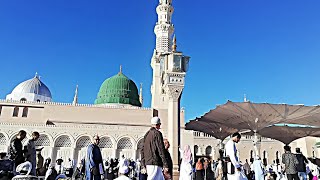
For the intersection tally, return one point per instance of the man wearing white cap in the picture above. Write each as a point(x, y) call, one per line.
point(152, 152)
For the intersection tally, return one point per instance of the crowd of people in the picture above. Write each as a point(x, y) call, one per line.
point(24, 161)
point(295, 166)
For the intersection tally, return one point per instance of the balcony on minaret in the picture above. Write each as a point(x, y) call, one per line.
point(177, 62)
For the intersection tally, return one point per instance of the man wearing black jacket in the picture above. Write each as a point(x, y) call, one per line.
point(16, 148)
point(153, 152)
point(301, 166)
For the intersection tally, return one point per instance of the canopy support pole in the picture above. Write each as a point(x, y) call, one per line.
point(256, 143)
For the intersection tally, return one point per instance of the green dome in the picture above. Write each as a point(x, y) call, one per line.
point(118, 89)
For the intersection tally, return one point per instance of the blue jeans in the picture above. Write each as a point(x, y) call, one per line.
point(302, 175)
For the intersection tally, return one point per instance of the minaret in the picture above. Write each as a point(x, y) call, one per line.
point(164, 28)
point(140, 95)
point(75, 98)
point(169, 69)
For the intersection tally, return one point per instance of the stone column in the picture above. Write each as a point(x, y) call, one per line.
point(115, 153)
point(134, 154)
point(174, 93)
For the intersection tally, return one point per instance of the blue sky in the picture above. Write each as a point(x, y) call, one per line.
point(267, 49)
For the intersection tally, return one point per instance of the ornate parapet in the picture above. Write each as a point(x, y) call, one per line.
point(74, 105)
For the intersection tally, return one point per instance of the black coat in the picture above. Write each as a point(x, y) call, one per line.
point(152, 152)
point(301, 167)
point(16, 152)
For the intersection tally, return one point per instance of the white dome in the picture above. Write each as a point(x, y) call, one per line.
point(31, 90)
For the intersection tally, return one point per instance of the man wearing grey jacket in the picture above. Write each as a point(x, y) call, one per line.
point(30, 151)
point(290, 161)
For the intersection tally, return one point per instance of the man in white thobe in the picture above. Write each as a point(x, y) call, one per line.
point(231, 152)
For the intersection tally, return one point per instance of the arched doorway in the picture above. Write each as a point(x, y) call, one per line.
point(125, 147)
point(81, 147)
point(106, 146)
point(62, 148)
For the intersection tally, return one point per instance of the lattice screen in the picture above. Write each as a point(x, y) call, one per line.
point(3, 139)
point(63, 141)
point(84, 141)
point(125, 143)
point(43, 140)
point(105, 142)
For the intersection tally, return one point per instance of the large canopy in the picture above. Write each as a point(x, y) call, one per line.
point(287, 134)
point(217, 130)
point(260, 118)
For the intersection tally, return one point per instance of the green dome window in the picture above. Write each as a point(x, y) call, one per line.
point(118, 89)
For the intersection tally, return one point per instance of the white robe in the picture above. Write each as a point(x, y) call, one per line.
point(231, 151)
point(258, 171)
point(185, 171)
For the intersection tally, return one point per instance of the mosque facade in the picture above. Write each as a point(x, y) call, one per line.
point(117, 115)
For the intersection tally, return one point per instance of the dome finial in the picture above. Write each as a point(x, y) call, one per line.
point(36, 75)
point(245, 99)
point(120, 72)
point(174, 45)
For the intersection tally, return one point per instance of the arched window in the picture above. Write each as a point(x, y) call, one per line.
point(125, 143)
point(84, 141)
point(43, 140)
point(25, 112)
point(23, 99)
point(196, 149)
point(277, 155)
point(63, 141)
point(265, 162)
point(38, 100)
point(251, 156)
point(208, 151)
point(15, 112)
point(105, 142)
point(313, 154)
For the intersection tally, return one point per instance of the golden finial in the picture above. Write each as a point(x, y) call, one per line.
point(174, 44)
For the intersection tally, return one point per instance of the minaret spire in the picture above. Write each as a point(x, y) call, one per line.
point(75, 98)
point(164, 27)
point(140, 95)
point(174, 44)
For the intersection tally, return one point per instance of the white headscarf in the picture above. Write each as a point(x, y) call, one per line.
point(26, 166)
